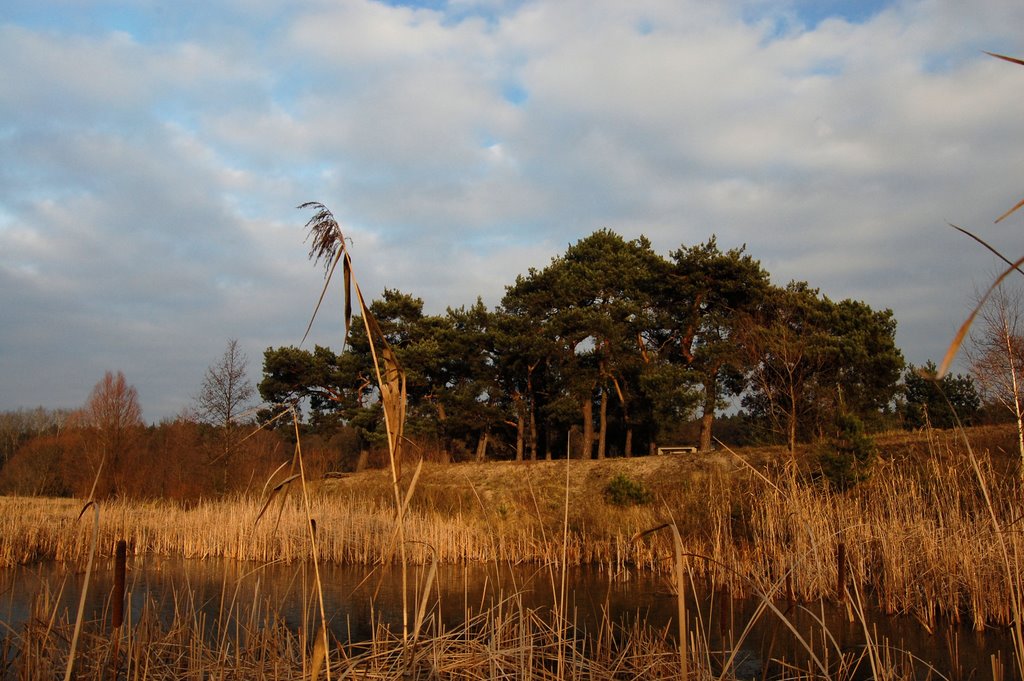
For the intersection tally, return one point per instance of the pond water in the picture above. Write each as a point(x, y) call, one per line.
point(357, 598)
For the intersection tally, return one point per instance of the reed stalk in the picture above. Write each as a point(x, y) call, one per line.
point(85, 587)
point(321, 643)
point(503, 640)
point(329, 243)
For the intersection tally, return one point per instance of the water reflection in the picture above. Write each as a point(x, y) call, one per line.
point(357, 599)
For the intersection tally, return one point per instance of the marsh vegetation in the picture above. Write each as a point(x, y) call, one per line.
point(609, 344)
point(922, 540)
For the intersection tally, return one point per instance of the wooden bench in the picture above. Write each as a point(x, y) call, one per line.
point(677, 450)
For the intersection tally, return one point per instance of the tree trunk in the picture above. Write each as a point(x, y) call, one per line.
point(533, 434)
point(521, 436)
point(791, 434)
point(627, 449)
point(602, 439)
point(481, 447)
point(520, 409)
point(587, 446)
point(708, 417)
point(707, 420)
point(791, 426)
point(1016, 393)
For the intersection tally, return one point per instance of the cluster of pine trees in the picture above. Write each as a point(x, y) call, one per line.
point(612, 349)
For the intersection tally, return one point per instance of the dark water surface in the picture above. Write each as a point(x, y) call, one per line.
point(358, 598)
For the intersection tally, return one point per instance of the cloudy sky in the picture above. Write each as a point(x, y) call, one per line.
point(152, 155)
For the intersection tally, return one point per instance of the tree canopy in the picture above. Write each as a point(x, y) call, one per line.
point(939, 402)
point(610, 349)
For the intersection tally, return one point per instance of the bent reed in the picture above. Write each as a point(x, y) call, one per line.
point(506, 641)
point(918, 537)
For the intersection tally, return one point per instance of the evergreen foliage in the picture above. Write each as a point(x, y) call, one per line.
point(940, 403)
point(623, 490)
point(617, 342)
point(846, 459)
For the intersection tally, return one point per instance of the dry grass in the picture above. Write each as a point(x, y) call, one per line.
point(918, 535)
point(507, 640)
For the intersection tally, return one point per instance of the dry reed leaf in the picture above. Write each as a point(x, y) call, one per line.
point(272, 475)
point(1010, 212)
point(273, 494)
point(347, 282)
point(85, 586)
point(328, 244)
point(320, 300)
point(389, 548)
point(422, 610)
point(986, 245)
point(644, 533)
point(285, 410)
point(319, 654)
point(958, 339)
point(391, 382)
point(1012, 60)
point(85, 508)
point(95, 482)
point(393, 394)
point(412, 486)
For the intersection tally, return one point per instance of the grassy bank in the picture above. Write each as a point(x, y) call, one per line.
point(918, 537)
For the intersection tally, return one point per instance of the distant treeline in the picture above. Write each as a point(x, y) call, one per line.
point(177, 459)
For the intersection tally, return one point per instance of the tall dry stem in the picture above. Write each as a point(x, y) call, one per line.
point(680, 588)
point(85, 586)
point(1011, 564)
point(328, 243)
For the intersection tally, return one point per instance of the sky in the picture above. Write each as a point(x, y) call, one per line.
point(153, 154)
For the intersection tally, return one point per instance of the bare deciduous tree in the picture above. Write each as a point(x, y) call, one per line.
point(996, 355)
point(226, 393)
point(114, 416)
point(21, 425)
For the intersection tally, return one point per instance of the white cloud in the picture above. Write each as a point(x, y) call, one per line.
point(149, 168)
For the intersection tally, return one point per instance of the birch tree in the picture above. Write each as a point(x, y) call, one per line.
point(996, 356)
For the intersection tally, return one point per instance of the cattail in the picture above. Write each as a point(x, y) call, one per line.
point(120, 565)
point(841, 582)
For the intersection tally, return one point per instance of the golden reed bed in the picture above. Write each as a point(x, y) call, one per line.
point(920, 537)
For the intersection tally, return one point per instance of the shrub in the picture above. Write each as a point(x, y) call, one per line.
point(847, 460)
point(624, 491)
